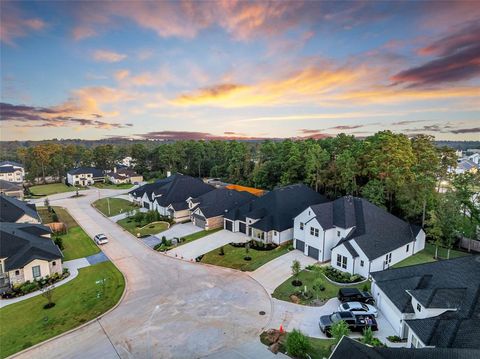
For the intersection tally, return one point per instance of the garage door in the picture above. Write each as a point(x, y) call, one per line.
point(300, 245)
point(229, 225)
point(313, 252)
point(199, 221)
point(243, 227)
point(386, 308)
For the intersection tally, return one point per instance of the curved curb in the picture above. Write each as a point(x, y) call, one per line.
point(91, 321)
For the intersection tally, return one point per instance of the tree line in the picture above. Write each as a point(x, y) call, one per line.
point(391, 170)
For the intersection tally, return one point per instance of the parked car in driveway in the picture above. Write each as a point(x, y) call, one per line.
point(358, 308)
point(100, 239)
point(354, 322)
point(354, 295)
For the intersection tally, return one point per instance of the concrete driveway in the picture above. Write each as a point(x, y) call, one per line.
point(171, 309)
point(277, 271)
point(179, 230)
point(192, 250)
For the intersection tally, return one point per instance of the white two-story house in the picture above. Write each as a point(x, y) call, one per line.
point(355, 235)
point(433, 304)
point(12, 171)
point(85, 176)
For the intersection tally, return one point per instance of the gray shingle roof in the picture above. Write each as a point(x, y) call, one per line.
point(10, 163)
point(453, 283)
point(216, 202)
point(96, 172)
point(12, 209)
point(177, 191)
point(277, 209)
point(10, 186)
point(8, 169)
point(149, 188)
point(350, 348)
point(21, 243)
point(375, 230)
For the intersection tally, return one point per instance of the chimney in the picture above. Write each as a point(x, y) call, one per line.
point(169, 173)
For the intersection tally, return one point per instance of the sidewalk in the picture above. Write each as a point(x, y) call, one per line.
point(124, 215)
point(73, 266)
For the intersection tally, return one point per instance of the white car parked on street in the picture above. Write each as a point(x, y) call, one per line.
point(100, 239)
point(358, 308)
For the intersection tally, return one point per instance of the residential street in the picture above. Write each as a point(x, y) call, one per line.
point(172, 308)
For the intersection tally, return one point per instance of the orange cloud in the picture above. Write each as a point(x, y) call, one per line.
point(108, 56)
point(13, 24)
point(121, 74)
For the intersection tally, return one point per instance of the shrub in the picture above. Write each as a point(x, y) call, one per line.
point(310, 267)
point(365, 287)
point(138, 217)
point(297, 344)
point(59, 242)
point(394, 339)
point(341, 277)
point(221, 251)
point(318, 284)
point(339, 329)
point(28, 287)
point(54, 217)
point(290, 247)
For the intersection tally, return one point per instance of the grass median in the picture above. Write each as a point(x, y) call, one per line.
point(26, 323)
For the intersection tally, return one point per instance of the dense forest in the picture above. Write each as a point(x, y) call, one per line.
point(391, 170)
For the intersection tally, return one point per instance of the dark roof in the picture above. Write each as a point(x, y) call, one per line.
point(12, 209)
point(453, 284)
point(178, 190)
point(10, 186)
point(8, 169)
point(350, 348)
point(277, 209)
point(375, 230)
point(10, 163)
point(216, 202)
point(21, 243)
point(96, 172)
point(149, 188)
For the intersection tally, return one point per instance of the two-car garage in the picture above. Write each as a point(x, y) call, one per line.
point(311, 251)
point(229, 226)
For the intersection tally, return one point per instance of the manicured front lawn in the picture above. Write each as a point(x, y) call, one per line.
point(26, 323)
point(117, 206)
point(153, 228)
point(77, 244)
point(307, 277)
point(187, 239)
point(234, 257)
point(427, 256)
point(113, 186)
point(52, 188)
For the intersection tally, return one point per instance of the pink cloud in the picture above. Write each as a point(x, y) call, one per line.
point(14, 24)
point(108, 56)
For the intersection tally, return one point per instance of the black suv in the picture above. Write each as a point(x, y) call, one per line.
point(355, 322)
point(354, 295)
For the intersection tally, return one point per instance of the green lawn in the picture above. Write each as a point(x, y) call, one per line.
point(113, 186)
point(319, 348)
point(190, 238)
point(426, 256)
point(117, 206)
point(286, 289)
point(77, 244)
point(145, 230)
point(233, 257)
point(52, 188)
point(26, 323)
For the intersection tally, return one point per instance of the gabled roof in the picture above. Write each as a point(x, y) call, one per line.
point(12, 209)
point(217, 202)
point(96, 172)
point(21, 244)
point(277, 209)
point(179, 189)
point(448, 284)
point(466, 165)
point(10, 186)
point(351, 348)
point(375, 230)
point(149, 188)
point(8, 169)
point(10, 163)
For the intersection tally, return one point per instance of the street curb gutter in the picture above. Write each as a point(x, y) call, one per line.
point(84, 324)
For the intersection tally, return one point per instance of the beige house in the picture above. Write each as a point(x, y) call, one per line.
point(11, 189)
point(124, 175)
point(27, 253)
point(15, 211)
point(12, 171)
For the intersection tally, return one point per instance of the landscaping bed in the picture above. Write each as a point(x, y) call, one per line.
point(234, 256)
point(117, 206)
point(144, 229)
point(29, 287)
point(319, 289)
point(27, 323)
point(427, 255)
point(166, 244)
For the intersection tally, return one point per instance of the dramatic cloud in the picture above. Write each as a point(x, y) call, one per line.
point(407, 122)
point(209, 94)
point(14, 24)
point(187, 135)
point(31, 116)
point(108, 56)
point(459, 60)
point(345, 127)
point(466, 130)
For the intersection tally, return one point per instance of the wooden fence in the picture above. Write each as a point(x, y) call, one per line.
point(470, 244)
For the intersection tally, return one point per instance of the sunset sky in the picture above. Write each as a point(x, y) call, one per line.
point(237, 69)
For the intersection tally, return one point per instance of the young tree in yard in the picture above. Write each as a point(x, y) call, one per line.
point(47, 293)
point(46, 203)
point(338, 330)
point(295, 268)
point(138, 217)
point(297, 344)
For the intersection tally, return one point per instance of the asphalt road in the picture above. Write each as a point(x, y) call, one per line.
point(172, 308)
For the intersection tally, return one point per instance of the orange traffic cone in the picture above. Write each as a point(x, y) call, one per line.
point(281, 328)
